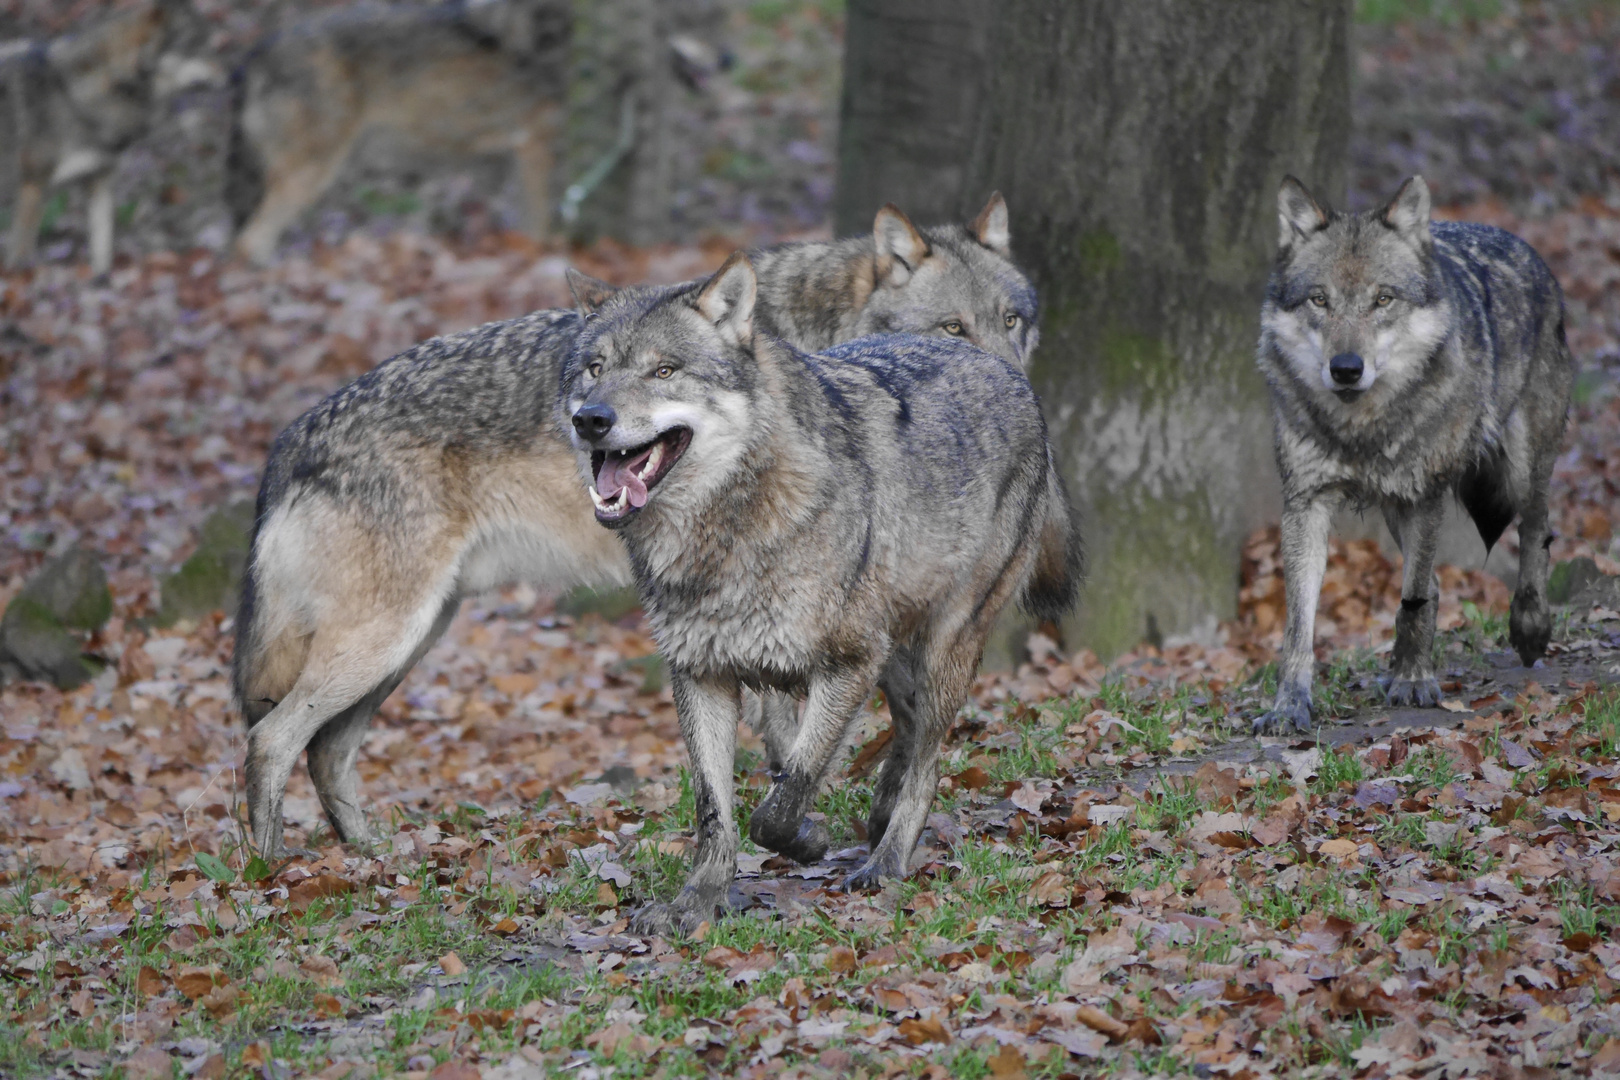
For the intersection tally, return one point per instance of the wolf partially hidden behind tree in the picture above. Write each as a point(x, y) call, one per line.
point(1409, 361)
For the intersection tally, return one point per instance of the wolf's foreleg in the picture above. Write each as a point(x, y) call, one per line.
point(1304, 549)
point(779, 822)
point(1411, 678)
point(101, 223)
point(1530, 619)
point(27, 212)
point(708, 711)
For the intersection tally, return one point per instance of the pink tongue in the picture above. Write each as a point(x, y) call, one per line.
point(618, 474)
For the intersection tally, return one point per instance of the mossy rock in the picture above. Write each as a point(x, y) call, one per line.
point(1571, 578)
point(72, 588)
point(211, 579)
point(35, 646)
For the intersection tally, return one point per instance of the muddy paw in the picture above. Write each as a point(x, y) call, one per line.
point(803, 841)
point(1529, 633)
point(678, 919)
point(1285, 718)
point(870, 877)
point(1421, 692)
point(810, 844)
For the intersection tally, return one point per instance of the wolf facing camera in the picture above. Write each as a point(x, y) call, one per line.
point(1409, 361)
point(816, 525)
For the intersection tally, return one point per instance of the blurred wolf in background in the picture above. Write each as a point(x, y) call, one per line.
point(71, 105)
point(452, 80)
point(1409, 361)
point(814, 525)
point(446, 471)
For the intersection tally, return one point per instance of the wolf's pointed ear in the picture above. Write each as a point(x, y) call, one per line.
point(727, 299)
point(900, 247)
point(990, 227)
point(589, 294)
point(1298, 213)
point(1408, 212)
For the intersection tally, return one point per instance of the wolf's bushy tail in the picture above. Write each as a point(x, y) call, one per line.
point(244, 165)
point(1060, 561)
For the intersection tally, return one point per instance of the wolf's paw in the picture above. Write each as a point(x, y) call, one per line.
point(804, 841)
point(870, 877)
point(808, 846)
point(1422, 692)
point(1529, 632)
point(1287, 717)
point(680, 918)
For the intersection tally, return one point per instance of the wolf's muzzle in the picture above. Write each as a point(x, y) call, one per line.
point(1345, 368)
point(594, 421)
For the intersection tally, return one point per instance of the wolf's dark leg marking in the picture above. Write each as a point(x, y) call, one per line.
point(1411, 679)
point(1530, 619)
point(708, 713)
point(899, 684)
point(1304, 548)
point(779, 823)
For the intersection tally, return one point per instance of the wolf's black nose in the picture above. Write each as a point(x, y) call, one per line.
point(594, 421)
point(1345, 369)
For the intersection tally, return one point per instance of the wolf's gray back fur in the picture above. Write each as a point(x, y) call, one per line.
point(830, 522)
point(441, 473)
point(1408, 361)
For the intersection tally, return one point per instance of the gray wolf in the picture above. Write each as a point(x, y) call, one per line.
point(445, 471)
point(816, 525)
point(453, 80)
point(1408, 361)
point(74, 103)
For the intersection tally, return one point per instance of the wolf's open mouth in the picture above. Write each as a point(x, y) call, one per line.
point(624, 477)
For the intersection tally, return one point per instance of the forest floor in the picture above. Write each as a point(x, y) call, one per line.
point(1117, 878)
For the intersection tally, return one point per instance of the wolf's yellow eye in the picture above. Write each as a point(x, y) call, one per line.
point(664, 371)
point(1011, 320)
point(594, 368)
point(1385, 299)
point(1319, 299)
point(954, 328)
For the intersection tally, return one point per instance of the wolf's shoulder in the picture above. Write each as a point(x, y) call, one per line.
point(1476, 245)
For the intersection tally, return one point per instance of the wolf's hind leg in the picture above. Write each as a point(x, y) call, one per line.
point(1305, 526)
point(940, 677)
point(899, 683)
point(1530, 619)
point(335, 747)
point(778, 723)
point(1411, 679)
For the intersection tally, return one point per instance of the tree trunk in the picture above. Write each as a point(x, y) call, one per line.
point(621, 53)
point(1140, 147)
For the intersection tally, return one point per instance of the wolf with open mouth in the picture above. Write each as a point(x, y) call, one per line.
point(447, 471)
point(814, 524)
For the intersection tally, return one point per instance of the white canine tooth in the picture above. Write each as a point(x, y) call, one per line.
point(601, 503)
point(653, 459)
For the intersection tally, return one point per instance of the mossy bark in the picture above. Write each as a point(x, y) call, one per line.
point(1140, 147)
